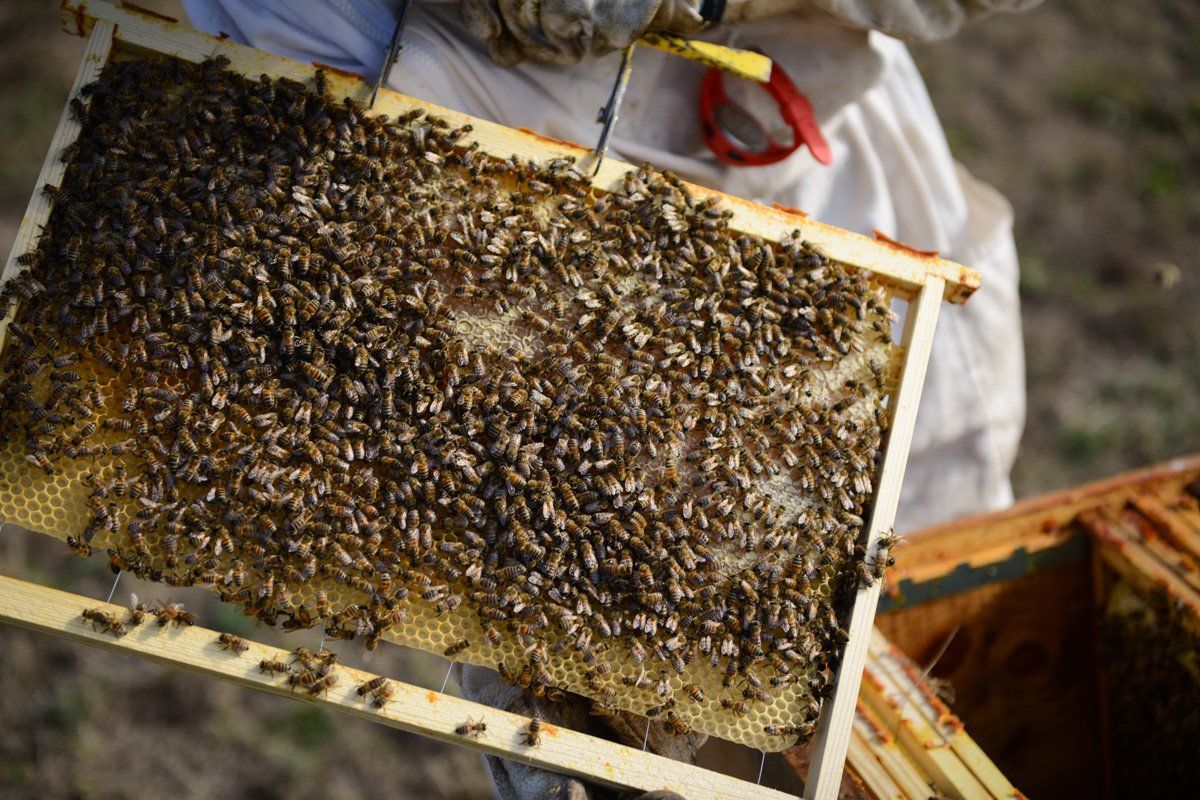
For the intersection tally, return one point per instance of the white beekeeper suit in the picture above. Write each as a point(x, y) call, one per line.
point(892, 169)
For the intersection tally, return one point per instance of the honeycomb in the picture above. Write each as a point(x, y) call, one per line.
point(512, 328)
point(56, 505)
point(1150, 651)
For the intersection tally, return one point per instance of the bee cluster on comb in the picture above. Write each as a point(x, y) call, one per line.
point(339, 367)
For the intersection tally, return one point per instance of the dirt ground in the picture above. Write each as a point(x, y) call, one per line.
point(1085, 113)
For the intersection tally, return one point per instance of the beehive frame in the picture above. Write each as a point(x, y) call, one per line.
point(904, 740)
point(922, 279)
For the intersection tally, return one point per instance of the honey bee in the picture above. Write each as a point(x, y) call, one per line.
point(642, 681)
point(370, 686)
point(738, 707)
point(588, 555)
point(471, 728)
point(537, 654)
point(234, 644)
point(599, 709)
point(380, 689)
point(269, 666)
point(532, 736)
point(137, 612)
point(170, 544)
point(754, 694)
point(886, 543)
point(104, 622)
point(786, 730)
point(675, 724)
point(172, 614)
point(319, 685)
point(383, 695)
point(866, 573)
point(456, 648)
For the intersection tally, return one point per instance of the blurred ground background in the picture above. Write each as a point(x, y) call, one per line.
point(1085, 113)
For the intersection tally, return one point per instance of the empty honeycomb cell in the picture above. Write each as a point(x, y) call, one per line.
point(347, 372)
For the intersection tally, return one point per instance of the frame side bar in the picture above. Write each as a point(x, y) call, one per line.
point(37, 213)
point(44, 610)
point(833, 731)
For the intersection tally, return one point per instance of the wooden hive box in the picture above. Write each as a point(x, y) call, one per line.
point(1067, 626)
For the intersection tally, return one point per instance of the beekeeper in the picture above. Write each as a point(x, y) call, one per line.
point(548, 65)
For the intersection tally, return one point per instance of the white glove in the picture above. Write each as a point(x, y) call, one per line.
point(563, 31)
point(517, 781)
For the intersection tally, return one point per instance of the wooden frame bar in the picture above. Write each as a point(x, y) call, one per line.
point(837, 718)
point(937, 741)
point(872, 772)
point(1132, 560)
point(1036, 524)
point(904, 779)
point(414, 709)
point(881, 763)
point(1181, 535)
point(923, 279)
point(37, 213)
